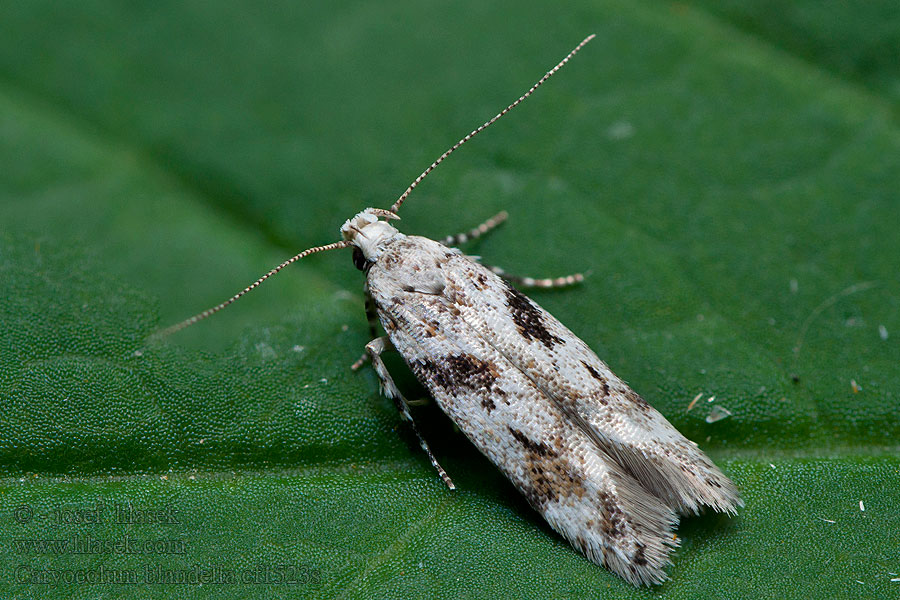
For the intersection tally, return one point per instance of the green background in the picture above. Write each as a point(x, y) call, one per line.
point(726, 173)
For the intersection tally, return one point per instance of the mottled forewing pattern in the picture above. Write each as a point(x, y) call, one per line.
point(606, 470)
point(617, 419)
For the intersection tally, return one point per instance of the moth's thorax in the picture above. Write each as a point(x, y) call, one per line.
point(369, 234)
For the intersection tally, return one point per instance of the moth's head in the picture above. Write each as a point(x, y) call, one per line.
point(368, 235)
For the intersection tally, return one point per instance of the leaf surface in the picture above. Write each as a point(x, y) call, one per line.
point(732, 197)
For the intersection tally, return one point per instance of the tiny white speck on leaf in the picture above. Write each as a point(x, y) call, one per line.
point(882, 332)
point(862, 506)
point(620, 130)
point(717, 413)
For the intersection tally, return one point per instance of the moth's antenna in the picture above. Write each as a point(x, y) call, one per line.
point(211, 311)
point(487, 124)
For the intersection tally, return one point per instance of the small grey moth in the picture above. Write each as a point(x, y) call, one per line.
point(606, 469)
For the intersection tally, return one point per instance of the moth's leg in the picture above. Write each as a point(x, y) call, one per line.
point(373, 332)
point(529, 282)
point(374, 350)
point(474, 234)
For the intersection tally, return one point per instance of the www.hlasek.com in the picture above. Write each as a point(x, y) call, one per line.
point(88, 544)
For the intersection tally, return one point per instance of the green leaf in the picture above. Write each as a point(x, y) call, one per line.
point(732, 198)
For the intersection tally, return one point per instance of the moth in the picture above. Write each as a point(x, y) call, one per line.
point(605, 469)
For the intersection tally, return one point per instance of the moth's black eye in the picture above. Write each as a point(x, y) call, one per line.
point(359, 261)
